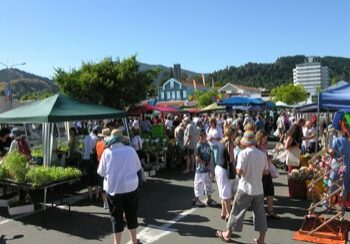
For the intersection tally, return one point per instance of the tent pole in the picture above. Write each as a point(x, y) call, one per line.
point(318, 121)
point(51, 126)
point(126, 126)
point(45, 144)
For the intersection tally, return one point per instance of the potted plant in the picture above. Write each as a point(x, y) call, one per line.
point(16, 165)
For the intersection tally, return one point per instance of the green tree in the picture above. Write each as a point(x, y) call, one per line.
point(205, 98)
point(289, 93)
point(112, 83)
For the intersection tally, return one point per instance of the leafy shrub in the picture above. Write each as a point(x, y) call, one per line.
point(37, 152)
point(3, 173)
point(41, 175)
point(16, 165)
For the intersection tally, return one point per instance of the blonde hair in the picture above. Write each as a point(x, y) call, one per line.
point(227, 133)
point(212, 120)
point(249, 126)
point(259, 136)
point(238, 141)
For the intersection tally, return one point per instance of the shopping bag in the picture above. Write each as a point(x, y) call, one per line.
point(293, 156)
point(274, 171)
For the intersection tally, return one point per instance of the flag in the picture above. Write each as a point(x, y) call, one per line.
point(194, 85)
point(9, 91)
point(203, 79)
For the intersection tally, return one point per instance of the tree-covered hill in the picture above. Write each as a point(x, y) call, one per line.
point(24, 83)
point(269, 75)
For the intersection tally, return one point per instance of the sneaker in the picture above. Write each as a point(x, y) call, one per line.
point(212, 203)
point(198, 203)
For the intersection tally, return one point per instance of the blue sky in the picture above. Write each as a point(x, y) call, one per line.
point(203, 36)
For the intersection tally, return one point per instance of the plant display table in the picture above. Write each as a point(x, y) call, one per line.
point(30, 187)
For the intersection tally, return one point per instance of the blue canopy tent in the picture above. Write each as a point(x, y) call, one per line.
point(337, 98)
point(244, 103)
point(334, 98)
point(312, 108)
point(241, 101)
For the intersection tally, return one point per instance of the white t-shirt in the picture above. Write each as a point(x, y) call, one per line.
point(136, 143)
point(88, 146)
point(253, 162)
point(136, 124)
point(191, 135)
point(214, 133)
point(312, 131)
point(168, 124)
point(306, 133)
point(119, 165)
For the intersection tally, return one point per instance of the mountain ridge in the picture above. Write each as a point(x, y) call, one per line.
point(266, 75)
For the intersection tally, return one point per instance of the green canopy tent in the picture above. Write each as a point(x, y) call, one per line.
point(57, 108)
point(212, 107)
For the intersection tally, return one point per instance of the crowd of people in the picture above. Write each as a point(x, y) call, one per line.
point(229, 149)
point(214, 145)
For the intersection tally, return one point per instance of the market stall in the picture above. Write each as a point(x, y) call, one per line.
point(48, 111)
point(327, 188)
point(57, 108)
point(212, 107)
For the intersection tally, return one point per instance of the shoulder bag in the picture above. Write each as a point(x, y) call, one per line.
point(293, 156)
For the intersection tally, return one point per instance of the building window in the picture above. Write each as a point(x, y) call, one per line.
point(178, 95)
point(168, 95)
point(184, 94)
point(162, 95)
point(173, 95)
point(172, 85)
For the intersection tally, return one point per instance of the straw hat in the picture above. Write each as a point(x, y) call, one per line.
point(105, 132)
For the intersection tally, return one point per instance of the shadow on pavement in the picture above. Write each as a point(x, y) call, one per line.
point(84, 225)
point(175, 174)
point(161, 201)
point(3, 238)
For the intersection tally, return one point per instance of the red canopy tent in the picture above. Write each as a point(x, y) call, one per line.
point(143, 108)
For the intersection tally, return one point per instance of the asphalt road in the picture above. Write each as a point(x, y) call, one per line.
point(166, 215)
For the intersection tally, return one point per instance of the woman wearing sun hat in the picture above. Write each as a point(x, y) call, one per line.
point(119, 165)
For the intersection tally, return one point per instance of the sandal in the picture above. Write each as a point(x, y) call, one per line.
point(219, 234)
point(272, 215)
point(256, 241)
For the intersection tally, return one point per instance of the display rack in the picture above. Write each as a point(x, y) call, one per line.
point(329, 222)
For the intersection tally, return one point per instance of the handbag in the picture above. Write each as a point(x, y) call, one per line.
point(231, 169)
point(293, 156)
point(274, 171)
point(277, 133)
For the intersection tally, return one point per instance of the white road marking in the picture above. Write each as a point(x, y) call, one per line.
point(153, 233)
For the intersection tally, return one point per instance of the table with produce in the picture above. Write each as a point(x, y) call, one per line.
point(24, 176)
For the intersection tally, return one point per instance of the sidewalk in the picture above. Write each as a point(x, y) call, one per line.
point(166, 215)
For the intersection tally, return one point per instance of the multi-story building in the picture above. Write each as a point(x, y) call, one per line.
point(174, 90)
point(230, 90)
point(312, 76)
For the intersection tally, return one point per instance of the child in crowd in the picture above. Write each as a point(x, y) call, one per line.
point(202, 182)
point(269, 187)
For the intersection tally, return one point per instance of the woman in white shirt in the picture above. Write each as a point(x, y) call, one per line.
point(119, 165)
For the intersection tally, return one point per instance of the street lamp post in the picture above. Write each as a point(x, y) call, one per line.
point(8, 67)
